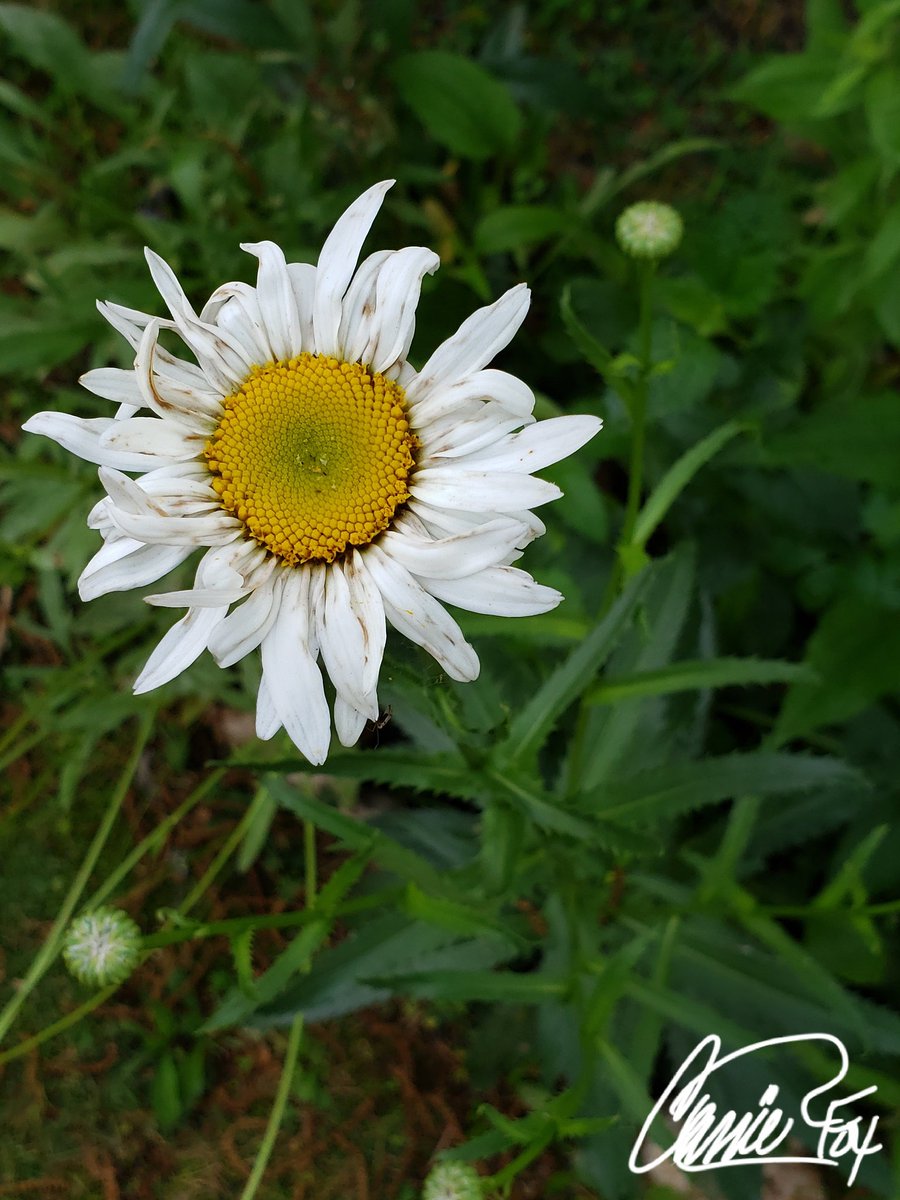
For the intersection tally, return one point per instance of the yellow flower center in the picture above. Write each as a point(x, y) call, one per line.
point(313, 455)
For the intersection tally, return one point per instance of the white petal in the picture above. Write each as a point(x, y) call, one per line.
point(337, 263)
point(366, 602)
point(217, 584)
point(479, 339)
point(490, 491)
point(419, 617)
point(217, 529)
point(163, 439)
point(181, 646)
point(129, 322)
point(82, 436)
point(538, 446)
point(303, 282)
point(268, 721)
point(497, 591)
point(127, 494)
point(504, 389)
point(225, 361)
point(125, 563)
point(358, 309)
point(164, 403)
point(234, 307)
point(348, 722)
point(112, 383)
point(245, 627)
point(397, 295)
point(276, 299)
point(292, 678)
point(341, 641)
point(458, 556)
point(473, 433)
point(168, 286)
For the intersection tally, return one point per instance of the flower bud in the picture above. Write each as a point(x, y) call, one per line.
point(649, 230)
point(102, 947)
point(452, 1181)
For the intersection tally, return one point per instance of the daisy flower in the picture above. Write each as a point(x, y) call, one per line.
point(334, 488)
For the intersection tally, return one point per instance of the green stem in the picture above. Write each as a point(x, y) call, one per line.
point(232, 842)
point(310, 862)
point(59, 1026)
point(51, 946)
point(639, 410)
point(234, 926)
point(293, 1047)
point(153, 839)
point(277, 1113)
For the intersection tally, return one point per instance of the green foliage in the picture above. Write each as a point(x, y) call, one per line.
point(668, 808)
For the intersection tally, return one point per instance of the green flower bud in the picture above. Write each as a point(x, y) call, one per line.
point(649, 230)
point(452, 1181)
point(102, 947)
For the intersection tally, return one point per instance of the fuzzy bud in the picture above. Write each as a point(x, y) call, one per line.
point(102, 947)
point(452, 1181)
point(649, 230)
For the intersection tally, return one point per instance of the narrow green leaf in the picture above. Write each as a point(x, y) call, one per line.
point(699, 673)
point(678, 477)
point(588, 346)
point(681, 787)
point(242, 953)
point(530, 729)
point(497, 986)
point(462, 919)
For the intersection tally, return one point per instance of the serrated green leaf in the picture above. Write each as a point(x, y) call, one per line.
point(534, 723)
point(681, 787)
point(505, 987)
point(461, 105)
point(372, 963)
point(699, 673)
point(609, 733)
point(462, 919)
point(242, 953)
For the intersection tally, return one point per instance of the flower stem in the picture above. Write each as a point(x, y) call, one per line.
point(231, 844)
point(275, 1117)
point(50, 949)
point(639, 411)
point(154, 839)
point(293, 1047)
point(60, 1026)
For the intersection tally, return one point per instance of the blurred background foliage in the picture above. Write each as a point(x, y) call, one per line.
point(567, 907)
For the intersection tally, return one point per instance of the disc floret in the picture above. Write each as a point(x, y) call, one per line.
point(313, 455)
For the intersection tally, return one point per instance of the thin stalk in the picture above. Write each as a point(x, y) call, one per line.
point(234, 926)
point(275, 1117)
point(59, 1026)
point(310, 862)
point(48, 952)
point(639, 411)
point(293, 1047)
point(231, 844)
point(153, 839)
